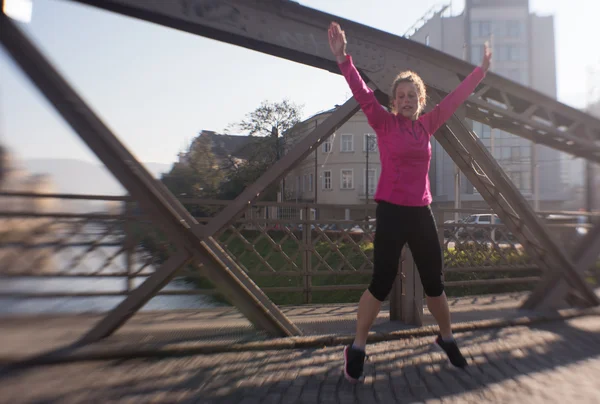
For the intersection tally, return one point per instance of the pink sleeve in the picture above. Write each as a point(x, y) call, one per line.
point(444, 110)
point(376, 115)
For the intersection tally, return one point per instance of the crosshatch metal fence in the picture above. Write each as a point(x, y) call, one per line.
point(296, 253)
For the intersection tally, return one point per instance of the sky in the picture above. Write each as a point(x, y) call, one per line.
point(157, 88)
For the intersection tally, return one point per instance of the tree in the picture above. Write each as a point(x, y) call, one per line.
point(269, 115)
point(266, 124)
point(269, 121)
point(198, 176)
point(202, 175)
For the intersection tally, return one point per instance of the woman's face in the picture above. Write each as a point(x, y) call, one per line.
point(407, 102)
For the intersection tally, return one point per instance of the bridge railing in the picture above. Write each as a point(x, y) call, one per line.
point(296, 252)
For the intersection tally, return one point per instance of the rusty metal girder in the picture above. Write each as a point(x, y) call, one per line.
point(289, 30)
point(165, 210)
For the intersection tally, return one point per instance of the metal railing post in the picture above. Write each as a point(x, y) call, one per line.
point(129, 244)
point(306, 254)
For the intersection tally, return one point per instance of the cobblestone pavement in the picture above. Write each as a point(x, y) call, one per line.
point(548, 363)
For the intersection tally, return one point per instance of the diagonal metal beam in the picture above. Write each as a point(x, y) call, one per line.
point(588, 249)
point(166, 211)
point(499, 192)
point(128, 307)
point(550, 291)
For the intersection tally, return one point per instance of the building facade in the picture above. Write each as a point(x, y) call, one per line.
point(344, 169)
point(524, 51)
point(583, 177)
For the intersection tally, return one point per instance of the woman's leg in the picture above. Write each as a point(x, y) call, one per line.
point(425, 247)
point(390, 237)
point(368, 308)
point(438, 307)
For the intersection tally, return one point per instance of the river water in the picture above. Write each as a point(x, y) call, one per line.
point(91, 262)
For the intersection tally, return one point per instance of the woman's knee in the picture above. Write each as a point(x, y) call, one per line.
point(381, 285)
point(433, 289)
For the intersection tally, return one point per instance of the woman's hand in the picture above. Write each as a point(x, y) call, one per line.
point(487, 57)
point(337, 42)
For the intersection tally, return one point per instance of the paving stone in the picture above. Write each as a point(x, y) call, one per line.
point(554, 363)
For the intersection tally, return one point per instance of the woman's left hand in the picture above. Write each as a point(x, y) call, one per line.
point(487, 57)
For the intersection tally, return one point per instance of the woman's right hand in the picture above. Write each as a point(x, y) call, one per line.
point(337, 42)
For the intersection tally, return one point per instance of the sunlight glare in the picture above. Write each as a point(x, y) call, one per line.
point(19, 10)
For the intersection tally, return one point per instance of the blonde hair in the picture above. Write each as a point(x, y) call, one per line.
point(409, 77)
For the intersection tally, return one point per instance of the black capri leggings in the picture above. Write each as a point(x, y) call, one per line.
point(397, 225)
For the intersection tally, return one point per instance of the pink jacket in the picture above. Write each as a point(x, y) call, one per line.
point(404, 147)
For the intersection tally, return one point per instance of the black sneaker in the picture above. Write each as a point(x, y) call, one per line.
point(452, 351)
point(354, 359)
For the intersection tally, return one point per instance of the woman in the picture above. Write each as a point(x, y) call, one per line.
point(403, 196)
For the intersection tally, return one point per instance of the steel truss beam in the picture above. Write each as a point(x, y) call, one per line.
point(486, 175)
point(550, 292)
point(289, 30)
point(165, 210)
point(298, 33)
point(295, 32)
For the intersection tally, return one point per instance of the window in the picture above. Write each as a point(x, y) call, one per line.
point(517, 53)
point(512, 53)
point(471, 219)
point(485, 28)
point(310, 182)
point(481, 29)
point(526, 181)
point(476, 54)
point(347, 179)
point(515, 176)
point(514, 29)
point(502, 152)
point(500, 134)
point(501, 52)
point(466, 185)
point(298, 185)
point(485, 219)
point(328, 145)
point(372, 181)
point(515, 153)
point(370, 142)
point(483, 131)
point(427, 40)
point(327, 179)
point(514, 74)
point(347, 143)
point(487, 132)
point(499, 29)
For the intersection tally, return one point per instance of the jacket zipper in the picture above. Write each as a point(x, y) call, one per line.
point(413, 130)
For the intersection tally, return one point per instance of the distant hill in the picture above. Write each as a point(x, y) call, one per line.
point(72, 176)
